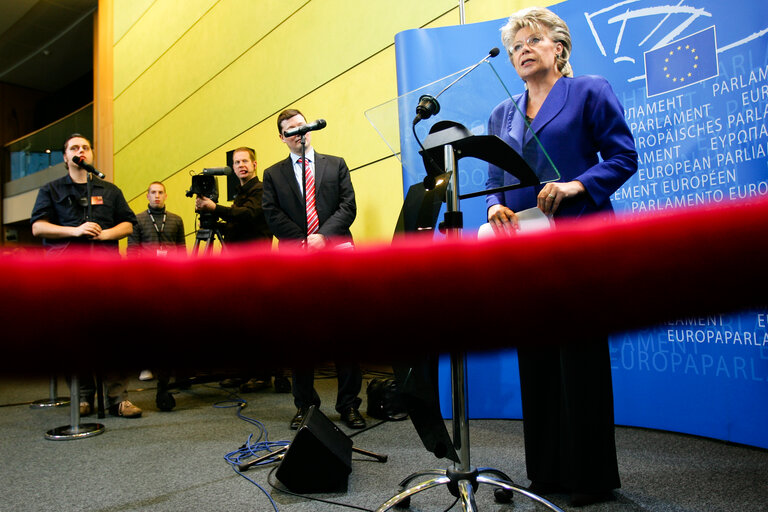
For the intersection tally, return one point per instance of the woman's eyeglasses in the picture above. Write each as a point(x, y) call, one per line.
point(532, 41)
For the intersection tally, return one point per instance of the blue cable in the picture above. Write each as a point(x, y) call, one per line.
point(251, 448)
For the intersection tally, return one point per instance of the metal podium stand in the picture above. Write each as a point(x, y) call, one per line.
point(463, 479)
point(53, 400)
point(75, 429)
point(468, 96)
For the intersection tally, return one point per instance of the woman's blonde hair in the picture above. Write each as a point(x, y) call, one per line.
point(543, 20)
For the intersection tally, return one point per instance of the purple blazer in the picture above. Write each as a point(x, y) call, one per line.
point(580, 118)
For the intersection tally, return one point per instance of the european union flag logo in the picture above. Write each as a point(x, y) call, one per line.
point(688, 61)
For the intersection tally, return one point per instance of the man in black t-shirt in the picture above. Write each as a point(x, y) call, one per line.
point(64, 219)
point(62, 216)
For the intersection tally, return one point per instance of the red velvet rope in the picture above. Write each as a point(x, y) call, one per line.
point(246, 307)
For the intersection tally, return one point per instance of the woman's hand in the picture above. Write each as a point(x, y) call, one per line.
point(502, 220)
point(552, 195)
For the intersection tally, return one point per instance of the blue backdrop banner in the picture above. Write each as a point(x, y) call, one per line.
point(693, 80)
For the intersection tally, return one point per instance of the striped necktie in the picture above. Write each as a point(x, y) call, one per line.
point(313, 223)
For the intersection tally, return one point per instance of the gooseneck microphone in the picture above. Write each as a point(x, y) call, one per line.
point(428, 105)
point(81, 164)
point(218, 171)
point(301, 130)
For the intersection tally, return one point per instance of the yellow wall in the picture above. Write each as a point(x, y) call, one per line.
point(195, 78)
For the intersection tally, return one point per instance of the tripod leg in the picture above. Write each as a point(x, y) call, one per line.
point(423, 486)
point(218, 235)
point(509, 487)
point(380, 458)
point(209, 242)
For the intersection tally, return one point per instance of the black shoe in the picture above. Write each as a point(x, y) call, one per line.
point(352, 418)
point(165, 401)
point(231, 383)
point(282, 385)
point(254, 385)
point(582, 499)
point(301, 413)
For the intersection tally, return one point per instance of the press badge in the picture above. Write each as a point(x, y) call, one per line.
point(97, 200)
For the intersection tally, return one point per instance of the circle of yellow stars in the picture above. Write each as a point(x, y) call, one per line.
point(695, 64)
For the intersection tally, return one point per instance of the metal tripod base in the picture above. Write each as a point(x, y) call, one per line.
point(69, 432)
point(462, 485)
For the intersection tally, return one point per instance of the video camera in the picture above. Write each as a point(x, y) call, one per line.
point(204, 185)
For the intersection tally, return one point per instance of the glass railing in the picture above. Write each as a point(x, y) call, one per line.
point(43, 149)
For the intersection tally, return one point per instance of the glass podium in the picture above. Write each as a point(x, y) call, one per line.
point(464, 102)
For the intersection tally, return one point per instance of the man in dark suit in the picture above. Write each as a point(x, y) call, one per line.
point(323, 222)
point(283, 196)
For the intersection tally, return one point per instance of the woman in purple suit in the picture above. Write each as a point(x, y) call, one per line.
point(566, 390)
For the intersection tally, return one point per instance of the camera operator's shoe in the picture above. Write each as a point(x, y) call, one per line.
point(231, 382)
point(165, 401)
point(282, 385)
point(254, 385)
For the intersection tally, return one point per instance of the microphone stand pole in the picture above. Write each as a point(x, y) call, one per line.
point(75, 429)
point(89, 199)
point(92, 247)
point(304, 185)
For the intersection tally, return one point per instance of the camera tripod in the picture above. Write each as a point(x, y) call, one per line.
point(210, 229)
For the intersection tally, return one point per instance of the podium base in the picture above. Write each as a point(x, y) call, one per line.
point(69, 432)
point(462, 484)
point(50, 402)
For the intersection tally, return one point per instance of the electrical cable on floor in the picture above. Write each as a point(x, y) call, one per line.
point(251, 447)
point(452, 505)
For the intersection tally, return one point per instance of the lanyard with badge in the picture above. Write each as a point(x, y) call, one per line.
point(161, 249)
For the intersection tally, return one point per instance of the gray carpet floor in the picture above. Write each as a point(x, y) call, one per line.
point(175, 461)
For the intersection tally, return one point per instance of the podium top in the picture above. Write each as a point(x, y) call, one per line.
point(466, 103)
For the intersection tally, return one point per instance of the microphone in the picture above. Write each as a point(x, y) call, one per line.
point(218, 171)
point(428, 105)
point(81, 164)
point(301, 130)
